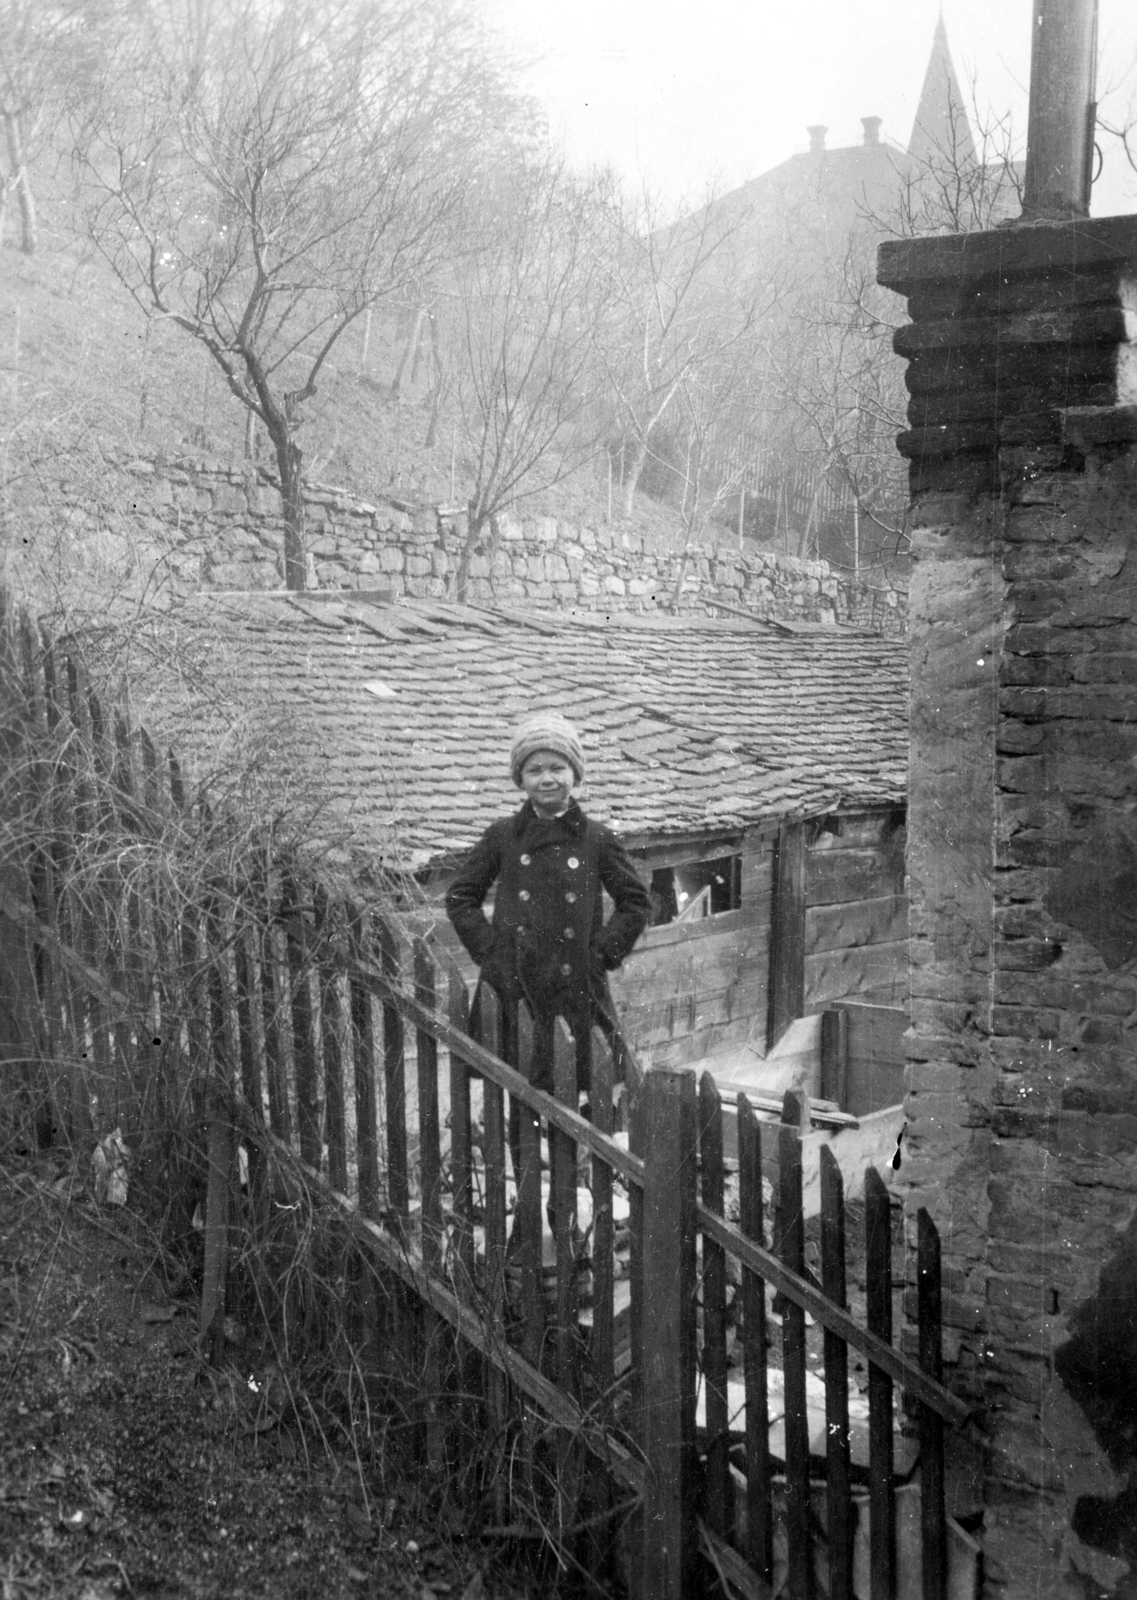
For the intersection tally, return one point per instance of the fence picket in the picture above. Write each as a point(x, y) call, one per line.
point(305, 1069)
point(598, 1554)
point(430, 1171)
point(759, 1508)
point(460, 1258)
point(719, 1496)
point(878, 1274)
point(933, 1522)
point(329, 972)
point(461, 1142)
point(602, 1355)
point(792, 1252)
point(249, 1047)
point(530, 1042)
point(364, 1064)
point(838, 1521)
point(272, 1012)
point(562, 1158)
point(394, 1087)
point(636, 1138)
point(488, 1033)
point(563, 1161)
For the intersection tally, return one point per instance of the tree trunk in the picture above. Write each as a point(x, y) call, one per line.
point(29, 233)
point(437, 385)
point(475, 521)
point(633, 466)
point(410, 349)
point(289, 459)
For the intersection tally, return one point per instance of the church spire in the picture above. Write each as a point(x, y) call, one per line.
point(941, 133)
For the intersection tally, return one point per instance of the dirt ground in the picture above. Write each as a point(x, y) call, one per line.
point(129, 1467)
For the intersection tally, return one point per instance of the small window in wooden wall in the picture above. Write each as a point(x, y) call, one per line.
point(690, 891)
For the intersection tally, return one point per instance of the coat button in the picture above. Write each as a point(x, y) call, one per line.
point(523, 895)
point(572, 861)
point(571, 898)
point(566, 969)
point(570, 933)
point(525, 860)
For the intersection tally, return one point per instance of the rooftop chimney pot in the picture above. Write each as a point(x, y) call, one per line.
point(817, 136)
point(871, 125)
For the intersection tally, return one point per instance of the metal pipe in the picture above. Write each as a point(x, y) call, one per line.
point(1060, 124)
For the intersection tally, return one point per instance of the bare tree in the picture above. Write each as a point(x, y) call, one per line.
point(839, 388)
point(36, 48)
point(262, 172)
point(685, 293)
point(527, 310)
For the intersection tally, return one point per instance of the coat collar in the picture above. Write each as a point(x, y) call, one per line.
point(573, 819)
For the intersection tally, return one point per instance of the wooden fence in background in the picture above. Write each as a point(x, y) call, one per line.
point(344, 1055)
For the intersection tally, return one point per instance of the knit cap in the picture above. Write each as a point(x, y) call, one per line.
point(546, 730)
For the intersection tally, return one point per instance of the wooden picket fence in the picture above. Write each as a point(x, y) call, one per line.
point(342, 1051)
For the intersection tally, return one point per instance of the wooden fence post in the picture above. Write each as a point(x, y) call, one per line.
point(222, 1150)
point(759, 1510)
point(792, 1251)
point(839, 1525)
point(667, 1358)
point(878, 1295)
point(720, 1491)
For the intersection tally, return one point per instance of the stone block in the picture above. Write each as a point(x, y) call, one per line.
point(236, 575)
point(510, 529)
point(545, 530)
point(230, 500)
point(440, 564)
point(615, 586)
point(417, 567)
point(391, 559)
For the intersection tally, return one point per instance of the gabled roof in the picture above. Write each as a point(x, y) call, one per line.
point(402, 713)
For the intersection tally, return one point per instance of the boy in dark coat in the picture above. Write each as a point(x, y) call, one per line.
point(548, 943)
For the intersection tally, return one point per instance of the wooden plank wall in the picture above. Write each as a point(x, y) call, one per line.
point(856, 920)
point(690, 989)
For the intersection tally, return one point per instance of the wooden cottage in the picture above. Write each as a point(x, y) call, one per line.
point(755, 770)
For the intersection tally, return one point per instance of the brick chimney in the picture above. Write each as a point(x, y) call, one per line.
point(817, 136)
point(1022, 1093)
point(871, 125)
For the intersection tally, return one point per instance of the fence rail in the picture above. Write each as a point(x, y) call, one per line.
point(624, 1287)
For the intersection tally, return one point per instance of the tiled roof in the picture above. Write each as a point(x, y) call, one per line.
point(405, 711)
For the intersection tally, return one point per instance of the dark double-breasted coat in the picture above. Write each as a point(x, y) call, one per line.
point(548, 942)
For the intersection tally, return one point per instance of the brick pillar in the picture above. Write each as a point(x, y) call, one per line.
point(1022, 1094)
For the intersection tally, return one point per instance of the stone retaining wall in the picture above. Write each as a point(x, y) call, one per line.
point(222, 528)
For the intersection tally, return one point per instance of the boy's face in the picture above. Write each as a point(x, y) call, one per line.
point(548, 780)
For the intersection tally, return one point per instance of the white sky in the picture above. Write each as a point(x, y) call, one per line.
point(686, 93)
